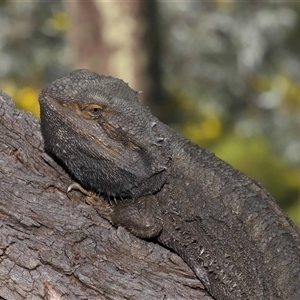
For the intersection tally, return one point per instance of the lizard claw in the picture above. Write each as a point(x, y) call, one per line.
point(78, 187)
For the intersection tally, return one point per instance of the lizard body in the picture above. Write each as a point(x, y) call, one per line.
point(224, 224)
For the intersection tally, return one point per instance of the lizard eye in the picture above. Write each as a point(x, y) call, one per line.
point(94, 110)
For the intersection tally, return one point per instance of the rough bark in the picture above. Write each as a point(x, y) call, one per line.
point(52, 247)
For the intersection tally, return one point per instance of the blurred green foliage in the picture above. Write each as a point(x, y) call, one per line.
point(25, 97)
point(33, 50)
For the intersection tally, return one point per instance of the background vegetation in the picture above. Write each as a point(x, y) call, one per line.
point(225, 74)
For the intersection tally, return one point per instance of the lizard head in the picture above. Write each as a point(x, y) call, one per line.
point(96, 126)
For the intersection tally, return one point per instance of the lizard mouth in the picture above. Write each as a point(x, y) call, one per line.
point(107, 148)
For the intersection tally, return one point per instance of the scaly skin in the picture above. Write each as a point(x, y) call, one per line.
point(225, 225)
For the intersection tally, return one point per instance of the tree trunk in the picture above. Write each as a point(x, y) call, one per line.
point(106, 37)
point(52, 247)
point(123, 40)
